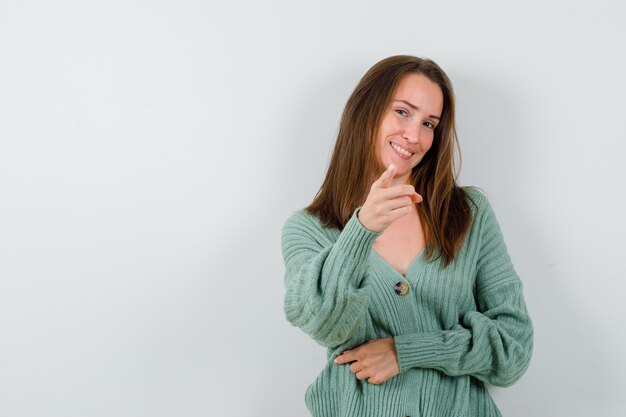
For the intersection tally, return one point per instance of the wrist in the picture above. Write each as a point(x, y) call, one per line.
point(359, 217)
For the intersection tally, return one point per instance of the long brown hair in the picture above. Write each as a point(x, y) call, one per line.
point(445, 212)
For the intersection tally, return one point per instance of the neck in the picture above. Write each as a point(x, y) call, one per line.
point(405, 179)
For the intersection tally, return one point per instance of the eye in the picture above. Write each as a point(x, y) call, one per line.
point(429, 125)
point(402, 112)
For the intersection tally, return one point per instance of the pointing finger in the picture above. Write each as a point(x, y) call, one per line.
point(389, 173)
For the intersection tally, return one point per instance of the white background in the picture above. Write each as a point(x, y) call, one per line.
point(150, 152)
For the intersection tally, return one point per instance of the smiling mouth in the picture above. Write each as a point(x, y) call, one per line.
point(400, 150)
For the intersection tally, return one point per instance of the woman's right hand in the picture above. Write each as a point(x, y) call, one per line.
point(385, 204)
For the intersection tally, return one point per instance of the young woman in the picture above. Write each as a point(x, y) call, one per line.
point(403, 275)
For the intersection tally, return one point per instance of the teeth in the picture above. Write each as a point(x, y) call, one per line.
point(399, 149)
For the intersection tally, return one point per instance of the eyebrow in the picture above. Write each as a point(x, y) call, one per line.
point(414, 107)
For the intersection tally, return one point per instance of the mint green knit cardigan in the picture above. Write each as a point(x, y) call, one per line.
point(456, 329)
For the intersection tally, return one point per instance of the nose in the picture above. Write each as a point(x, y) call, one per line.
point(412, 132)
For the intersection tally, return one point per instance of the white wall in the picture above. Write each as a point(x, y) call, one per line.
point(150, 152)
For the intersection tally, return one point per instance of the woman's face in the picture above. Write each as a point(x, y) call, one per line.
point(408, 125)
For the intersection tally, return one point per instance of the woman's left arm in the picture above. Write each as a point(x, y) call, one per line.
point(494, 343)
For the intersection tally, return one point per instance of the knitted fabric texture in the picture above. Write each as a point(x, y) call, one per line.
point(456, 329)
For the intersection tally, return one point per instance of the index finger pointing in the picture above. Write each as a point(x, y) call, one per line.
point(386, 176)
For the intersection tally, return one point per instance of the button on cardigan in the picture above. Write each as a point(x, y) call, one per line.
point(455, 329)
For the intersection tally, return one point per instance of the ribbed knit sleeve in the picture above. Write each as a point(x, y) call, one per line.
point(494, 343)
point(324, 296)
